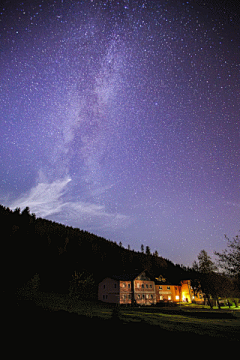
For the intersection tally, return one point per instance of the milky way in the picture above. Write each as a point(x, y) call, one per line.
point(122, 118)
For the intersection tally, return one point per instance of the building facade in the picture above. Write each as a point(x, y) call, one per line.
point(142, 289)
point(137, 288)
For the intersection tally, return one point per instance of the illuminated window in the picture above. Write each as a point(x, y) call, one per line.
point(124, 285)
point(169, 297)
point(168, 287)
point(160, 287)
point(177, 297)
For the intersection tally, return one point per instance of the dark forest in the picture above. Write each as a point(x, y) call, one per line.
point(55, 252)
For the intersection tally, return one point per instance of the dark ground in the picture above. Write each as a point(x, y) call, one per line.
point(33, 329)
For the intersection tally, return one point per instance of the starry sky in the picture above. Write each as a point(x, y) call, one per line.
point(122, 118)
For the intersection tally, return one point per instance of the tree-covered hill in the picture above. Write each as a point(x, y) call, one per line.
point(31, 245)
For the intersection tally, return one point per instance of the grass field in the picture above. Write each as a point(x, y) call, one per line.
point(189, 319)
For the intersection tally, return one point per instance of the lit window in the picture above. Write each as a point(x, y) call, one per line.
point(177, 297)
point(168, 287)
point(169, 297)
point(124, 285)
point(160, 287)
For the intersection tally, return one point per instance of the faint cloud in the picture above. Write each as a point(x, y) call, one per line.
point(47, 199)
point(44, 199)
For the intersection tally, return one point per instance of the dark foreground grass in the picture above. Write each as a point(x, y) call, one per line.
point(52, 318)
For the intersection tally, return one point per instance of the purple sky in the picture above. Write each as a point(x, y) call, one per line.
point(122, 118)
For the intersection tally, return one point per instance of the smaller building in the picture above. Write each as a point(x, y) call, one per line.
point(165, 291)
point(136, 288)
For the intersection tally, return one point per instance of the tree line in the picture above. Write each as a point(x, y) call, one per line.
point(220, 280)
point(55, 257)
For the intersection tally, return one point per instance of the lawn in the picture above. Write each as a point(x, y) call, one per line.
point(188, 319)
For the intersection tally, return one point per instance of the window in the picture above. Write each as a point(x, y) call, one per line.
point(104, 286)
point(161, 297)
point(169, 297)
point(138, 285)
point(129, 286)
point(124, 285)
point(146, 296)
point(150, 286)
point(142, 286)
point(143, 296)
point(146, 286)
point(160, 287)
point(115, 286)
point(139, 296)
point(177, 297)
point(168, 287)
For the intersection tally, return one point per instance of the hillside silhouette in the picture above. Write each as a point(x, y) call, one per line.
point(54, 251)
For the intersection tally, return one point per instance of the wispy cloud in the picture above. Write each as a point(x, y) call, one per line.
point(44, 199)
point(47, 199)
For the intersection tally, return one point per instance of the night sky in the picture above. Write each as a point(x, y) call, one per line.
point(122, 118)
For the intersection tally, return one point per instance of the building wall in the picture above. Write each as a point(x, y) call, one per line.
point(125, 292)
point(167, 293)
point(144, 292)
point(186, 293)
point(108, 291)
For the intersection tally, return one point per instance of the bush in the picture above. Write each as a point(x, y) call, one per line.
point(236, 302)
point(81, 286)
